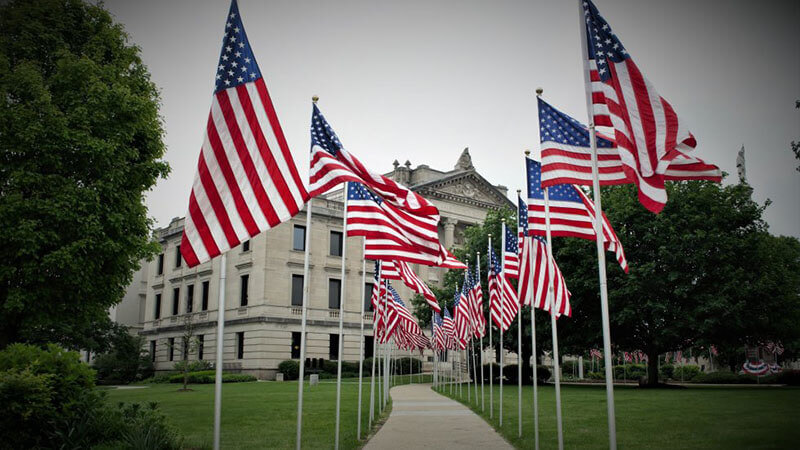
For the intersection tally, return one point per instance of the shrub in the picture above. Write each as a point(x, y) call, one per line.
point(141, 427)
point(722, 378)
point(666, 371)
point(685, 373)
point(290, 369)
point(630, 371)
point(330, 366)
point(596, 376)
point(125, 362)
point(407, 365)
point(495, 372)
point(209, 376)
point(543, 374)
point(790, 377)
point(27, 401)
point(194, 366)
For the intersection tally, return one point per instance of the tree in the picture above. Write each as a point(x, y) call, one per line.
point(703, 272)
point(126, 361)
point(189, 343)
point(80, 142)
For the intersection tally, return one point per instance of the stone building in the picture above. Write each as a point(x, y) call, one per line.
point(265, 277)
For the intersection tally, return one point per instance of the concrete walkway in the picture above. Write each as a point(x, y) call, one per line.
point(421, 418)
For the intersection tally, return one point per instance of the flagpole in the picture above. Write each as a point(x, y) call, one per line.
point(519, 336)
point(220, 342)
point(491, 342)
point(306, 286)
point(342, 298)
point(375, 347)
point(552, 302)
point(535, 363)
point(478, 264)
point(387, 346)
point(361, 338)
point(502, 313)
point(601, 256)
point(474, 372)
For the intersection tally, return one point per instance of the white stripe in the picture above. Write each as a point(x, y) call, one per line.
point(585, 178)
point(197, 243)
point(207, 211)
point(268, 184)
point(660, 123)
point(272, 142)
point(236, 165)
point(223, 190)
point(628, 94)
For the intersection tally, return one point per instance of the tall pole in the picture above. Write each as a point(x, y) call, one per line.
point(375, 345)
point(502, 314)
point(306, 286)
point(491, 342)
point(535, 379)
point(552, 303)
point(220, 345)
point(361, 334)
point(483, 403)
point(519, 340)
point(601, 256)
point(475, 373)
point(342, 299)
point(387, 346)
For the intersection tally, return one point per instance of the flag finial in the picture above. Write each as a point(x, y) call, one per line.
point(527, 153)
point(315, 98)
point(539, 92)
point(519, 191)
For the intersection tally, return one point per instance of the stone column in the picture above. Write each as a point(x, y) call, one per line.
point(449, 232)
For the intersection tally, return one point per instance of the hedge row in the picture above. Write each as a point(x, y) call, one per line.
point(209, 376)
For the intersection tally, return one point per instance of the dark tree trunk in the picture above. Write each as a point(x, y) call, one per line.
point(652, 368)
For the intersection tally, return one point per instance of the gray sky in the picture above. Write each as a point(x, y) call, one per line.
point(421, 80)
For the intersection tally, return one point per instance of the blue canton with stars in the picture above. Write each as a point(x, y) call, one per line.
point(357, 191)
point(555, 126)
point(602, 43)
point(322, 135)
point(447, 314)
point(522, 215)
point(511, 240)
point(396, 296)
point(237, 65)
point(494, 263)
point(457, 297)
point(559, 192)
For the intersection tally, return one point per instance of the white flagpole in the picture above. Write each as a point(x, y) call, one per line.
point(502, 314)
point(483, 403)
point(220, 345)
point(601, 256)
point(491, 342)
point(306, 286)
point(519, 336)
point(535, 379)
point(375, 346)
point(387, 349)
point(552, 302)
point(342, 299)
point(361, 341)
point(474, 373)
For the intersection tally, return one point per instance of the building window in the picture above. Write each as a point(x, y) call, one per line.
point(240, 345)
point(334, 293)
point(178, 258)
point(200, 342)
point(333, 347)
point(297, 290)
point(157, 314)
point(171, 345)
point(296, 336)
point(336, 243)
point(369, 346)
point(160, 265)
point(243, 292)
point(153, 351)
point(204, 303)
point(368, 296)
point(189, 298)
point(176, 295)
point(246, 246)
point(299, 238)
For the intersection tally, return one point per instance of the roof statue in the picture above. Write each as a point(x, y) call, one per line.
point(464, 161)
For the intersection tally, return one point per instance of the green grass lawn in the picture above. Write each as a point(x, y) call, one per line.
point(259, 414)
point(692, 418)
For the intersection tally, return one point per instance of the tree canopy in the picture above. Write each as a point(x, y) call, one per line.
point(80, 143)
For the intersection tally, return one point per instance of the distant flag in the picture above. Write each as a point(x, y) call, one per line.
point(404, 316)
point(628, 357)
point(246, 180)
point(477, 294)
point(571, 213)
point(713, 350)
point(501, 290)
point(511, 254)
point(595, 353)
point(449, 329)
point(401, 270)
point(391, 233)
point(567, 156)
point(462, 316)
point(450, 261)
point(648, 132)
point(439, 338)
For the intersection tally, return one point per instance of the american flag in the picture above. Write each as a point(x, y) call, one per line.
point(713, 350)
point(501, 290)
point(510, 253)
point(648, 132)
point(439, 339)
point(567, 155)
point(595, 353)
point(679, 356)
point(477, 304)
point(404, 316)
point(246, 180)
point(571, 213)
point(628, 357)
point(400, 270)
point(392, 234)
point(449, 329)
point(539, 271)
point(450, 261)
point(462, 314)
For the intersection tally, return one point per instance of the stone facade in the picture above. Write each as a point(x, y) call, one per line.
point(269, 323)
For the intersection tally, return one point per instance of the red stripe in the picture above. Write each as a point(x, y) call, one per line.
point(582, 155)
point(645, 108)
point(188, 252)
point(247, 162)
point(216, 203)
point(267, 156)
point(261, 87)
point(201, 226)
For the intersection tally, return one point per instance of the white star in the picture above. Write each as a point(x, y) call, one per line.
point(244, 69)
point(227, 82)
point(608, 41)
point(224, 57)
point(247, 60)
point(230, 72)
point(252, 75)
point(241, 45)
point(603, 70)
point(238, 54)
point(233, 39)
point(616, 46)
point(228, 25)
point(234, 64)
point(236, 29)
point(219, 76)
point(233, 15)
point(240, 79)
point(228, 49)
point(221, 67)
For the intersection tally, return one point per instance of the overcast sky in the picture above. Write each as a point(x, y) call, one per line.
point(421, 80)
